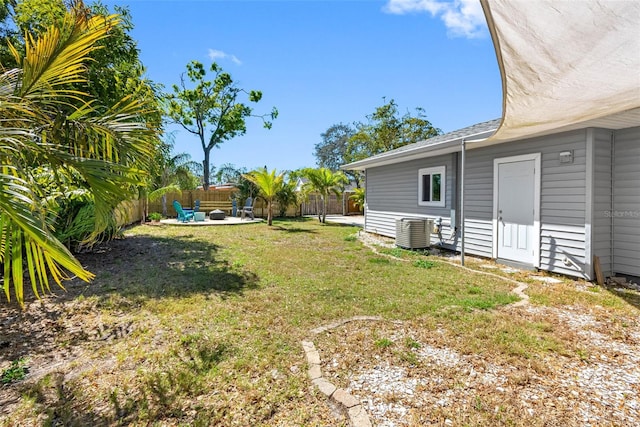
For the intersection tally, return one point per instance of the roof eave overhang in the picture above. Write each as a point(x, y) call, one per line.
point(420, 152)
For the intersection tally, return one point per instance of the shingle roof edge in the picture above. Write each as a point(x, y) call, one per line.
point(440, 141)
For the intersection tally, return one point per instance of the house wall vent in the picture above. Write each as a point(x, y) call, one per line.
point(413, 233)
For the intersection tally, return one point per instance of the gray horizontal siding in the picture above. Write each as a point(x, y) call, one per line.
point(626, 202)
point(601, 226)
point(383, 223)
point(562, 199)
point(392, 192)
point(478, 236)
point(562, 248)
point(394, 188)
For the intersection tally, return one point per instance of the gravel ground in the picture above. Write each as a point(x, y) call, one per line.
point(602, 390)
point(437, 385)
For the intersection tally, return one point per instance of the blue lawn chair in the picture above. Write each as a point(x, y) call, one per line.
point(182, 215)
point(247, 209)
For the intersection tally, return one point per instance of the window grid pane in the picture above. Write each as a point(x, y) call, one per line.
point(426, 188)
point(432, 186)
point(435, 187)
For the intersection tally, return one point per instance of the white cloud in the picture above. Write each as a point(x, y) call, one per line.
point(214, 55)
point(463, 18)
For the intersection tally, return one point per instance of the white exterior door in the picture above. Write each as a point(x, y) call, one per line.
point(516, 205)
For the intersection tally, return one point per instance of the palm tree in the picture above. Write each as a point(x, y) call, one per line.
point(269, 184)
point(45, 123)
point(358, 197)
point(325, 182)
point(287, 196)
point(172, 173)
point(228, 173)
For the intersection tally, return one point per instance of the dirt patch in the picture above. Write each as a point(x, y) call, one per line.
point(59, 334)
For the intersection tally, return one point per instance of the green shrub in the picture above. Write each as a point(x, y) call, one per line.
point(423, 263)
point(75, 225)
point(16, 372)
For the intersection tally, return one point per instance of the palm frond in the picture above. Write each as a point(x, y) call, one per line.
point(156, 194)
point(45, 122)
point(21, 226)
point(57, 58)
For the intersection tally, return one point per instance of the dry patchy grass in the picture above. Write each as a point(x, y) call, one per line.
point(202, 326)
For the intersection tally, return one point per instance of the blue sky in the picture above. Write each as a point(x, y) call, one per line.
point(322, 62)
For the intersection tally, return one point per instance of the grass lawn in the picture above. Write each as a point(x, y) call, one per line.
point(202, 326)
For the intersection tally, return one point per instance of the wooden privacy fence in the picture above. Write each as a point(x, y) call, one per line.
point(188, 198)
point(131, 211)
point(335, 205)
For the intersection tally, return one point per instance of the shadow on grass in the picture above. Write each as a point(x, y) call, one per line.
point(337, 224)
point(291, 225)
point(159, 267)
point(291, 219)
point(630, 296)
point(56, 397)
point(128, 271)
point(294, 230)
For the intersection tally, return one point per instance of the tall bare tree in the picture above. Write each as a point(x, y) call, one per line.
point(212, 109)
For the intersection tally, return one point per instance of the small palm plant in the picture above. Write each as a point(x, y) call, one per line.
point(269, 184)
point(325, 182)
point(358, 197)
point(155, 216)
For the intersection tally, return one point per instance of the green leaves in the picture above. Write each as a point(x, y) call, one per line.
point(325, 182)
point(212, 109)
point(269, 183)
point(331, 152)
point(15, 372)
point(386, 130)
point(255, 96)
point(50, 126)
point(358, 197)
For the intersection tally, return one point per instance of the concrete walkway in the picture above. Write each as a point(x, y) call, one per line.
point(229, 220)
point(355, 220)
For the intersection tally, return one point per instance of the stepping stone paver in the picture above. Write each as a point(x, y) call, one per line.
point(324, 386)
point(357, 414)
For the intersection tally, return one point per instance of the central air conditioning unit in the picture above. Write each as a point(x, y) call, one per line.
point(413, 233)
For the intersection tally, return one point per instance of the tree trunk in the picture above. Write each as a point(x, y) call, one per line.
point(164, 205)
point(144, 203)
point(269, 212)
point(324, 209)
point(205, 165)
point(319, 212)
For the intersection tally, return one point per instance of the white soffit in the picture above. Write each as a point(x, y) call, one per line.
point(565, 63)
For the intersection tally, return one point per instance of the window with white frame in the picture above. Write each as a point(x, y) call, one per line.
point(431, 186)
